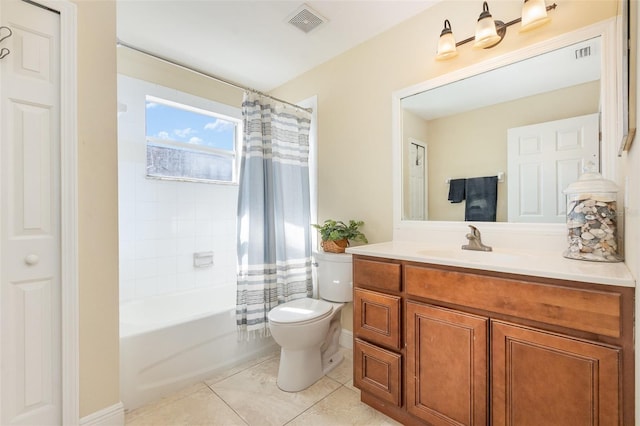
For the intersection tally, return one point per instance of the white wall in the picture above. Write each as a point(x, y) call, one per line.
point(163, 223)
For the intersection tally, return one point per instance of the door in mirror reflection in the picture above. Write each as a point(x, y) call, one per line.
point(542, 160)
point(417, 180)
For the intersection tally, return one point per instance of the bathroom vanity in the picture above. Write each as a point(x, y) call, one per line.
point(444, 337)
point(516, 336)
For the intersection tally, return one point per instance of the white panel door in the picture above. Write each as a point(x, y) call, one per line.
point(30, 315)
point(543, 159)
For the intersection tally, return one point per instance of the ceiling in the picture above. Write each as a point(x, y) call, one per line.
point(251, 43)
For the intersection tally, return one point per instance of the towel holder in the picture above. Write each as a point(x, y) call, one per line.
point(500, 176)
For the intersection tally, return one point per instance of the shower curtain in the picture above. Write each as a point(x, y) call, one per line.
point(274, 242)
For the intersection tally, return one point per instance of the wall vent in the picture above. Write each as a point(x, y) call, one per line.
point(583, 52)
point(306, 19)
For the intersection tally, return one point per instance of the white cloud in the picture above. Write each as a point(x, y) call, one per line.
point(151, 105)
point(218, 125)
point(195, 140)
point(184, 133)
point(163, 135)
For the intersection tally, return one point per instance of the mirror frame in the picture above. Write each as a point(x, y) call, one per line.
point(610, 31)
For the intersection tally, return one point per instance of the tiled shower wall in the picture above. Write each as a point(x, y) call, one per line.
point(163, 223)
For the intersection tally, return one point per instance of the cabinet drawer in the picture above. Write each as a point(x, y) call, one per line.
point(376, 274)
point(377, 371)
point(376, 317)
point(580, 309)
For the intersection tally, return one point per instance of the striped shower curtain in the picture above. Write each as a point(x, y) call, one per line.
point(274, 242)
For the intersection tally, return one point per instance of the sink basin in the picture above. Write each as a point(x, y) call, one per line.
point(472, 255)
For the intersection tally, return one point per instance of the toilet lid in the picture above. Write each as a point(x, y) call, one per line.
point(300, 310)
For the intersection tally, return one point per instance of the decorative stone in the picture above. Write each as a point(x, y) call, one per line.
point(587, 236)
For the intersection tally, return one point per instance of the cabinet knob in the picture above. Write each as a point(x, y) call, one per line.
point(31, 259)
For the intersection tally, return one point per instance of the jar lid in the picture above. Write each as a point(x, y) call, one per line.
point(591, 182)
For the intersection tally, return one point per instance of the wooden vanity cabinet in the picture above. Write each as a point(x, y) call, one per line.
point(446, 365)
point(483, 348)
point(378, 372)
point(546, 378)
point(377, 328)
point(377, 319)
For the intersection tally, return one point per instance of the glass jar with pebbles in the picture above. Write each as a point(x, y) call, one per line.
point(591, 219)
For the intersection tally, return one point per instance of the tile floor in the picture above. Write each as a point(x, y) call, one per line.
point(248, 395)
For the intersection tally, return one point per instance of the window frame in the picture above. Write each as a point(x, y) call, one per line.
point(191, 104)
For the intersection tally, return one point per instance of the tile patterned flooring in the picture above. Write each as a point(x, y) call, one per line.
point(248, 395)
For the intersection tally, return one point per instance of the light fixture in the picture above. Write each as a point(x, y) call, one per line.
point(489, 32)
point(534, 15)
point(446, 44)
point(486, 31)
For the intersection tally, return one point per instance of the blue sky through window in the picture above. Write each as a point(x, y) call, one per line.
point(183, 125)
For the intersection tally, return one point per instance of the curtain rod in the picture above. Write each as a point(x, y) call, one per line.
point(221, 80)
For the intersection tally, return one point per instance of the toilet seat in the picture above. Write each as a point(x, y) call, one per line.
point(300, 311)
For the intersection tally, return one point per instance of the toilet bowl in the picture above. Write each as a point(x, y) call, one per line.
point(308, 330)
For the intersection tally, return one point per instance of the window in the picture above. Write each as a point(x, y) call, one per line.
point(188, 143)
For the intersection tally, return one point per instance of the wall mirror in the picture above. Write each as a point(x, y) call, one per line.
point(457, 125)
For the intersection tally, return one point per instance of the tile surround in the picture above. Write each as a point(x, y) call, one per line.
point(162, 223)
point(248, 395)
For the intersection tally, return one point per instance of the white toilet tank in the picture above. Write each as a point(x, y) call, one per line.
point(335, 276)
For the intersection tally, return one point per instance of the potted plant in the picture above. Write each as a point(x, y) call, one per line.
point(336, 234)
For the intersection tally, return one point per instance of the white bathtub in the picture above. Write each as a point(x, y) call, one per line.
point(168, 342)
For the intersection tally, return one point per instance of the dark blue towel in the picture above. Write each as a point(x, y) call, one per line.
point(456, 190)
point(482, 198)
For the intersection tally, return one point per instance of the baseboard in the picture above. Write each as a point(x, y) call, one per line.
point(110, 416)
point(346, 339)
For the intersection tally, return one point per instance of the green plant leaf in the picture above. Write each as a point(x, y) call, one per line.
point(333, 230)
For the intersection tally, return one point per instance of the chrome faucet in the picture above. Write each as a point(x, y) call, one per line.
point(475, 241)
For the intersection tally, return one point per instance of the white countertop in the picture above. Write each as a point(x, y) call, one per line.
point(534, 263)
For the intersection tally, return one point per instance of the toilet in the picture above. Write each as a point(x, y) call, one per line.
point(308, 330)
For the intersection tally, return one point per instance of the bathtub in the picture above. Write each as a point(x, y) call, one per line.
point(171, 341)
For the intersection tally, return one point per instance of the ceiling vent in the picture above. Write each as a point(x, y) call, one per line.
point(306, 19)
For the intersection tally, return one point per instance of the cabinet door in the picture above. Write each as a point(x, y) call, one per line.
point(541, 378)
point(376, 317)
point(446, 365)
point(377, 371)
